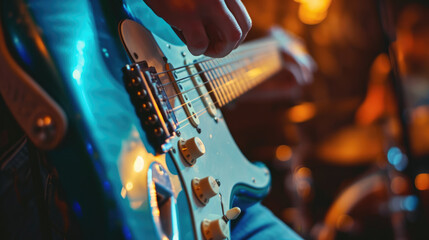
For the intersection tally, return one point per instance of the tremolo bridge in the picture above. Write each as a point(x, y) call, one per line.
point(151, 104)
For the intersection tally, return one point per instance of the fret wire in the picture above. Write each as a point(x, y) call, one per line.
point(224, 81)
point(229, 78)
point(210, 81)
point(236, 79)
point(211, 77)
point(180, 107)
point(254, 80)
point(265, 74)
point(242, 78)
point(221, 81)
point(232, 79)
point(232, 70)
point(217, 84)
point(262, 44)
point(200, 96)
point(201, 72)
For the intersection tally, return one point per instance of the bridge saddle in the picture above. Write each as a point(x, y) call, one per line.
point(151, 104)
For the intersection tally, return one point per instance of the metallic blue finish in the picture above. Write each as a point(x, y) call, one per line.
point(104, 160)
point(100, 101)
point(143, 14)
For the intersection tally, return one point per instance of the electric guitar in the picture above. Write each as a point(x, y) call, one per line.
point(132, 121)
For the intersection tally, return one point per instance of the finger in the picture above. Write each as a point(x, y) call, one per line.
point(240, 13)
point(195, 37)
point(223, 31)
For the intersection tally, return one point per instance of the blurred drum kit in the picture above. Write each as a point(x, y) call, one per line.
point(367, 179)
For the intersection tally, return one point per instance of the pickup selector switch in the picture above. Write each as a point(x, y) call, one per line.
point(205, 188)
point(192, 149)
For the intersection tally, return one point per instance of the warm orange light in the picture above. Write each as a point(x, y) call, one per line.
point(344, 222)
point(302, 185)
point(254, 72)
point(302, 112)
point(313, 11)
point(303, 172)
point(155, 212)
point(47, 120)
point(129, 186)
point(377, 99)
point(283, 153)
point(422, 181)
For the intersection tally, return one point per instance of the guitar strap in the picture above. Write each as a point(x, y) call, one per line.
point(31, 200)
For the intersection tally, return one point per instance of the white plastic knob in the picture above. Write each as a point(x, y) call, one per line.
point(192, 149)
point(215, 229)
point(233, 213)
point(205, 188)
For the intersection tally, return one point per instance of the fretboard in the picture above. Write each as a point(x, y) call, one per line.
point(243, 69)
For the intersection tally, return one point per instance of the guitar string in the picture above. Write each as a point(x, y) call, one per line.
point(202, 112)
point(180, 107)
point(234, 59)
point(202, 95)
point(206, 59)
point(221, 76)
point(268, 42)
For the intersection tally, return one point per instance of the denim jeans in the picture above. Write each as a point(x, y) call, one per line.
point(31, 203)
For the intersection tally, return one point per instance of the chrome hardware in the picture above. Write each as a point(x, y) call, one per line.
point(162, 202)
point(184, 98)
point(147, 95)
point(202, 90)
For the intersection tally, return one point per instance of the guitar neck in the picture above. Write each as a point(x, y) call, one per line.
point(243, 69)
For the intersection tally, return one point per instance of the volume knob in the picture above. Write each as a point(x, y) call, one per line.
point(218, 229)
point(205, 188)
point(192, 149)
point(215, 229)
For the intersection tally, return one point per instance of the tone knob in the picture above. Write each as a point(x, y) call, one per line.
point(205, 188)
point(192, 149)
point(218, 229)
point(215, 229)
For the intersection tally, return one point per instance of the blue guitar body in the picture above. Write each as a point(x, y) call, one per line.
point(117, 181)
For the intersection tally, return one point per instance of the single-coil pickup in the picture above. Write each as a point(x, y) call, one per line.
point(187, 104)
point(202, 90)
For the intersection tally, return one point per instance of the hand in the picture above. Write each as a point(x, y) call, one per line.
point(296, 60)
point(210, 27)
